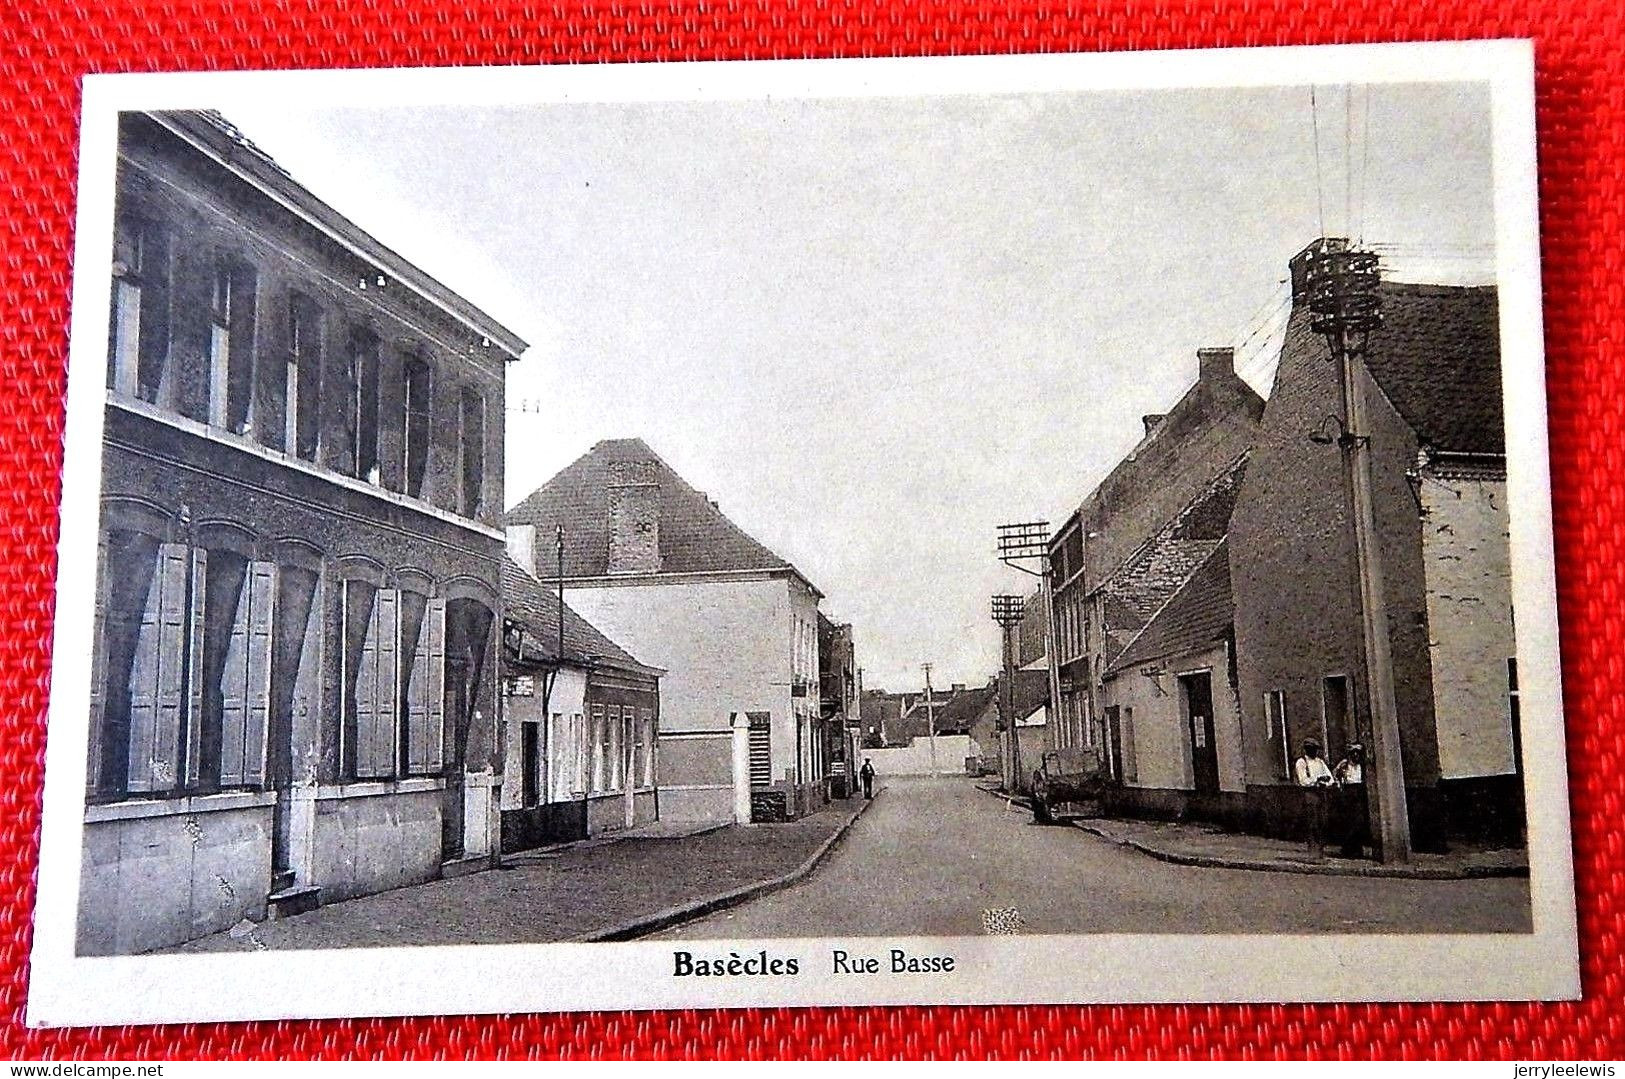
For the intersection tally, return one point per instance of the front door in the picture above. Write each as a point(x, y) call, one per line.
point(451, 804)
point(1196, 698)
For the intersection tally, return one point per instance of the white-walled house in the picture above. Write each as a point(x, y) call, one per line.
point(655, 565)
point(580, 716)
point(1172, 713)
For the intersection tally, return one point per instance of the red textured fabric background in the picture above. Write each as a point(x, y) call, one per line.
point(45, 47)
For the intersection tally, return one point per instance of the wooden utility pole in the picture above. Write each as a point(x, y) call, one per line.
point(930, 716)
point(1343, 298)
point(1007, 612)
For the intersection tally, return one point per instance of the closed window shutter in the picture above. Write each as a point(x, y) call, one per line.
point(376, 687)
point(246, 682)
point(425, 719)
point(157, 676)
point(192, 720)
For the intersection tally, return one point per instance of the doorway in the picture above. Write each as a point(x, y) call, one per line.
point(1196, 703)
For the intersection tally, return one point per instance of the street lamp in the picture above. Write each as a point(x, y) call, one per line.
point(1007, 612)
point(1341, 284)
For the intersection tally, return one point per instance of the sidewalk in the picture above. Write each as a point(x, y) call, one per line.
point(600, 889)
point(1204, 845)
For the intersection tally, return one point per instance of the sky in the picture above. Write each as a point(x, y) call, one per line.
point(874, 329)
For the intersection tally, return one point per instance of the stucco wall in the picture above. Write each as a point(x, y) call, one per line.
point(1467, 554)
point(370, 842)
point(725, 645)
point(563, 749)
point(914, 759)
point(157, 874)
point(1156, 737)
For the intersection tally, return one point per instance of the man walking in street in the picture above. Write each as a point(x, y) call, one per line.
point(867, 774)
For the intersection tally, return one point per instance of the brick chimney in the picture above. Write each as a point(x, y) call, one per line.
point(1214, 362)
point(634, 517)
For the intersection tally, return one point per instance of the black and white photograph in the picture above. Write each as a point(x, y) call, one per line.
point(972, 530)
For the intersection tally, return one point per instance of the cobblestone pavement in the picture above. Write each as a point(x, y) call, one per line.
point(941, 858)
point(558, 895)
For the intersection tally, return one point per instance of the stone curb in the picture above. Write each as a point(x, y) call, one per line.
point(686, 912)
point(1324, 869)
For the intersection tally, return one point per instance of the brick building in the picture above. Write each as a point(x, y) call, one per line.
point(1438, 462)
point(581, 717)
point(657, 566)
point(294, 695)
point(1140, 534)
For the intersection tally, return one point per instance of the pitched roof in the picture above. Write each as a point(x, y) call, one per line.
point(532, 605)
point(1437, 356)
point(1151, 576)
point(1196, 616)
point(695, 537)
point(961, 710)
point(1030, 694)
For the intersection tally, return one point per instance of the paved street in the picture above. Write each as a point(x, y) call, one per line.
point(932, 855)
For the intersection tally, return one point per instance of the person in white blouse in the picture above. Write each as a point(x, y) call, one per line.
point(1313, 774)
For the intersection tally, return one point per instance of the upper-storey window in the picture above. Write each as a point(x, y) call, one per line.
point(361, 405)
point(138, 337)
point(415, 427)
point(231, 347)
point(473, 451)
point(303, 414)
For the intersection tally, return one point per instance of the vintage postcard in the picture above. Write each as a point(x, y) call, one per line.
point(1001, 529)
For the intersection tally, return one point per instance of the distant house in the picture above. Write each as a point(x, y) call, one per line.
point(581, 723)
point(1438, 463)
point(896, 719)
point(657, 566)
point(1031, 708)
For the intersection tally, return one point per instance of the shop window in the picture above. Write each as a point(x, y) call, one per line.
point(415, 425)
point(139, 321)
point(472, 451)
point(231, 347)
point(303, 415)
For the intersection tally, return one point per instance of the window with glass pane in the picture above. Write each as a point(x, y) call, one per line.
point(304, 376)
point(138, 333)
point(231, 347)
point(473, 451)
point(416, 425)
